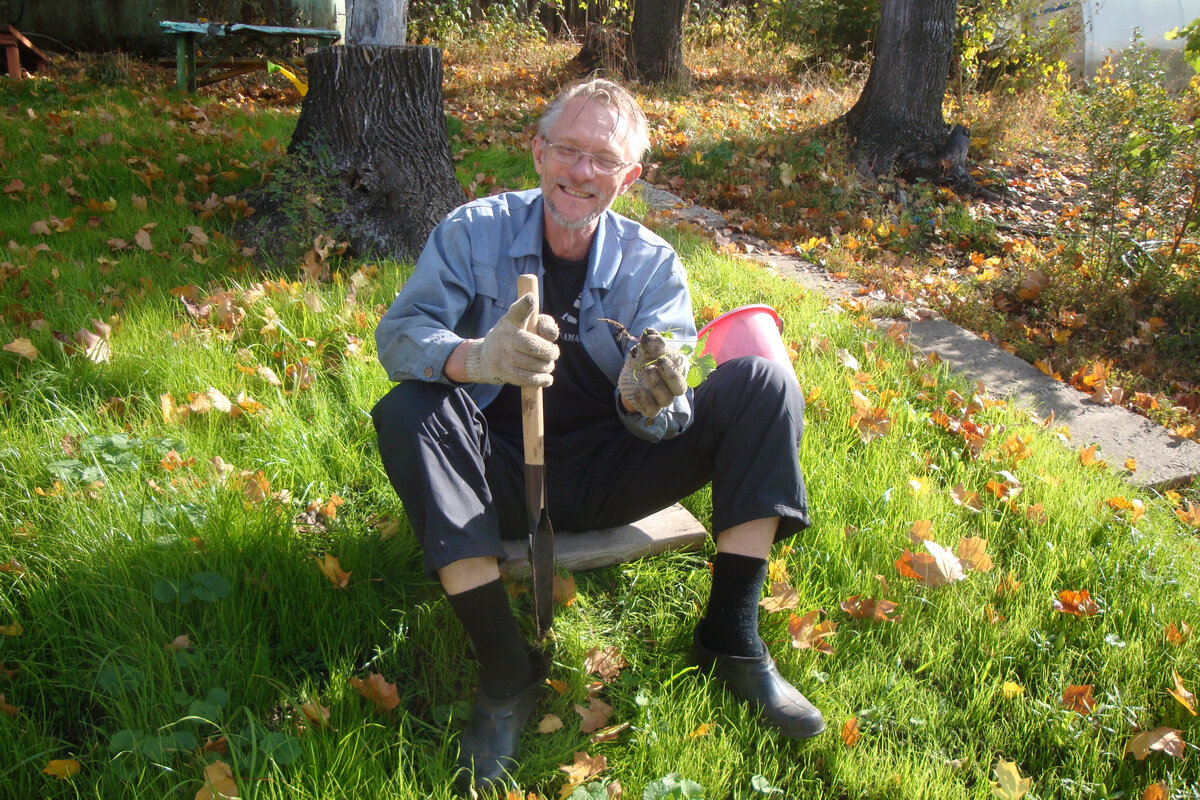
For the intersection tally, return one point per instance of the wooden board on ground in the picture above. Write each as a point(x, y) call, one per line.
point(673, 528)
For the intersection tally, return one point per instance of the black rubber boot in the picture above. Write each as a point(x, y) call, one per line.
point(755, 680)
point(489, 742)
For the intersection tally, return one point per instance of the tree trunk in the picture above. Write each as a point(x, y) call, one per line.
point(372, 142)
point(897, 121)
point(656, 42)
point(376, 22)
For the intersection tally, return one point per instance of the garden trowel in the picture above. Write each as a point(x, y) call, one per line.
point(541, 535)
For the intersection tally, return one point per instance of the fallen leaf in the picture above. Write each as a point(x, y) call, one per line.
point(594, 716)
point(1180, 693)
point(783, 597)
point(549, 724)
point(22, 347)
point(1177, 635)
point(1164, 739)
point(608, 734)
point(315, 713)
point(377, 690)
point(62, 768)
point(15, 629)
point(1191, 516)
point(581, 769)
point(1009, 785)
point(973, 551)
point(937, 567)
point(966, 499)
point(558, 686)
point(703, 729)
point(180, 642)
point(564, 590)
point(807, 632)
point(1012, 690)
point(605, 662)
point(1079, 603)
point(332, 570)
point(850, 733)
point(1079, 699)
point(859, 607)
point(218, 783)
point(1156, 791)
point(10, 710)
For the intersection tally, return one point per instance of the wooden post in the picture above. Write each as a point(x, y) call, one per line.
point(185, 62)
point(13, 58)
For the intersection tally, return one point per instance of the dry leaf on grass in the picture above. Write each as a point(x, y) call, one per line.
point(606, 662)
point(377, 690)
point(594, 716)
point(1164, 739)
point(808, 632)
point(782, 598)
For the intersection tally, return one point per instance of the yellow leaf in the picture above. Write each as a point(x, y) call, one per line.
point(332, 570)
point(850, 732)
point(704, 729)
point(12, 630)
point(218, 783)
point(1011, 690)
point(1009, 785)
point(1180, 693)
point(62, 768)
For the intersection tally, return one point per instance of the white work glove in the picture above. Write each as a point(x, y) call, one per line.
point(654, 374)
point(511, 354)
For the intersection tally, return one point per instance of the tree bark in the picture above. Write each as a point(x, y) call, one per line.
point(377, 22)
point(372, 138)
point(897, 122)
point(656, 42)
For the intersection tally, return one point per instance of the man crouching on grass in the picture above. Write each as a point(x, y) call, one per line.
point(623, 438)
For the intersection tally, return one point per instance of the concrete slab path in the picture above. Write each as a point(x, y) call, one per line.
point(1163, 461)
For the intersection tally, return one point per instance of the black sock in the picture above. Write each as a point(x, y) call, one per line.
point(730, 625)
point(504, 666)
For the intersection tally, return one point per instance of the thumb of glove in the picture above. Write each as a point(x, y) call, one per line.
point(519, 312)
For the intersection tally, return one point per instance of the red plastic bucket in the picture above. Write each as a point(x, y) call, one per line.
point(746, 331)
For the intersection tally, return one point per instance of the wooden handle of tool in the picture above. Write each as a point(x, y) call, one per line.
point(532, 419)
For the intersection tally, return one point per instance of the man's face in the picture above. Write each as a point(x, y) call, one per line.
point(577, 195)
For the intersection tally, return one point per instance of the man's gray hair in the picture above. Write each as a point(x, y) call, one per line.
point(610, 95)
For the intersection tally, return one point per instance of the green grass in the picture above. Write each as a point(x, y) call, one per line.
point(102, 528)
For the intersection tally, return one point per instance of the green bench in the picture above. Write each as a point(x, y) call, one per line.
point(233, 36)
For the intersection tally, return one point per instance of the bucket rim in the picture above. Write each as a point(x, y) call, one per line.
point(754, 307)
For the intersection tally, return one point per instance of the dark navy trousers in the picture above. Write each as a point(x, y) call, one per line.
point(463, 486)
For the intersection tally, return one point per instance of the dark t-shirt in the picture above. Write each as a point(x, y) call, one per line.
point(582, 395)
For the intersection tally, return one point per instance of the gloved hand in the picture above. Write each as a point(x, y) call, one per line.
point(654, 374)
point(511, 354)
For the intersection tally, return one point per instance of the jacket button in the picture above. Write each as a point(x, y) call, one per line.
point(428, 373)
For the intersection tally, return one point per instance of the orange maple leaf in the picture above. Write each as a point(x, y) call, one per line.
point(315, 713)
point(850, 733)
point(564, 590)
point(1177, 635)
point(1079, 603)
point(937, 567)
point(1079, 699)
point(332, 570)
point(972, 551)
point(859, 607)
point(1191, 516)
point(807, 632)
point(377, 690)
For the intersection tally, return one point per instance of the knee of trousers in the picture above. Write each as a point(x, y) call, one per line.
point(414, 415)
point(762, 384)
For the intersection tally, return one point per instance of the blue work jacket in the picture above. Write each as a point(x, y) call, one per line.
point(466, 279)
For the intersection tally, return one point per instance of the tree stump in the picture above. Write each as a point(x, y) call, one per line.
point(372, 140)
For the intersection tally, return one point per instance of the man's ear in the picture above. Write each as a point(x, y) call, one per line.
point(632, 175)
point(539, 152)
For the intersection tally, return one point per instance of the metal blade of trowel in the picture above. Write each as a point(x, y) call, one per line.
point(541, 535)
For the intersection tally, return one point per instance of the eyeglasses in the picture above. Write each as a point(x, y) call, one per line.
point(569, 156)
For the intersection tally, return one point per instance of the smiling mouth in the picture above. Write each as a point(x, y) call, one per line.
point(577, 193)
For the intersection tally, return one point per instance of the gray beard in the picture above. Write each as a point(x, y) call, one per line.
point(574, 224)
